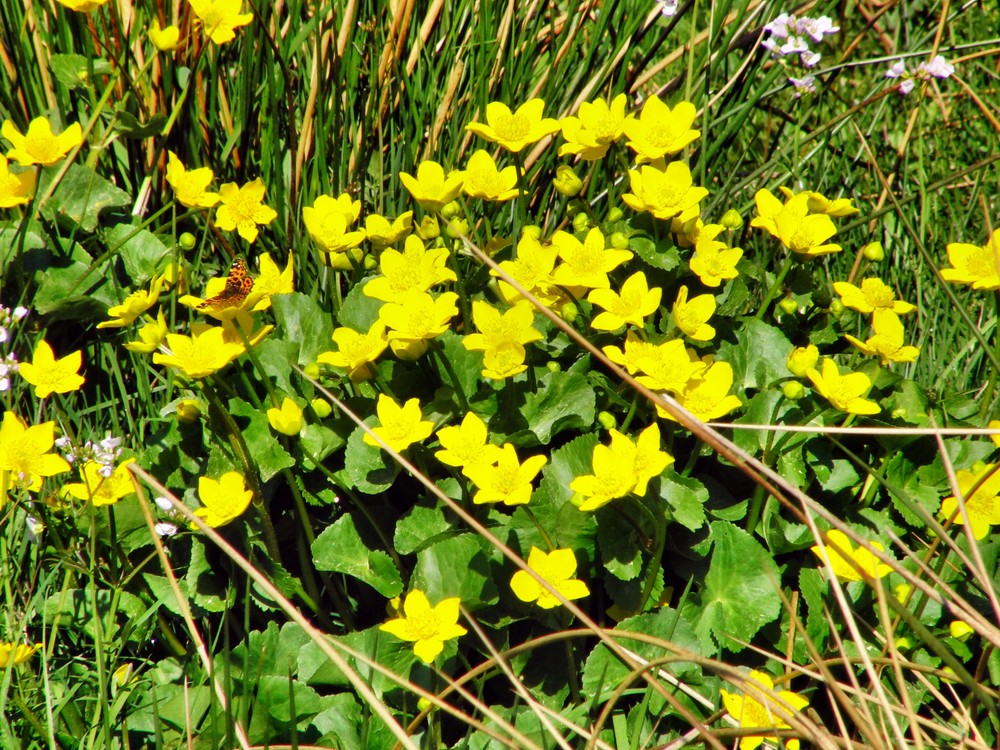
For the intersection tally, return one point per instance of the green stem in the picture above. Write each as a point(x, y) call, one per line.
point(779, 283)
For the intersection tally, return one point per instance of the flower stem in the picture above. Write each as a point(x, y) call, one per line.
point(779, 282)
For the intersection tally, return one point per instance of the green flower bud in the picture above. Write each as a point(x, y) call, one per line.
point(789, 306)
point(569, 311)
point(451, 210)
point(553, 366)
point(312, 370)
point(615, 214)
point(836, 308)
point(369, 262)
point(321, 407)
point(567, 182)
point(453, 227)
point(531, 230)
point(793, 390)
point(581, 222)
point(873, 251)
point(732, 219)
point(186, 241)
point(607, 420)
point(619, 240)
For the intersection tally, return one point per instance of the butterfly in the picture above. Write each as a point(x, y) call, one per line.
point(238, 286)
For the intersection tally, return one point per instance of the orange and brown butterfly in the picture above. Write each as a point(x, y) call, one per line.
point(238, 286)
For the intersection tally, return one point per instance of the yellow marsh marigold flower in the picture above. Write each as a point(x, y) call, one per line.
point(841, 553)
point(820, 204)
point(557, 568)
point(567, 182)
point(199, 355)
point(190, 186)
point(151, 335)
point(273, 280)
point(960, 630)
point(287, 419)
point(39, 145)
point(50, 375)
point(713, 261)
point(669, 366)
point(844, 392)
point(887, 343)
point(994, 424)
point(691, 317)
point(399, 426)
point(802, 359)
point(12, 654)
point(356, 352)
point(430, 188)
point(973, 265)
point(873, 295)
point(467, 444)
point(504, 361)
point(243, 209)
point(223, 500)
point(659, 131)
point(165, 39)
point(707, 395)
point(329, 225)
point(24, 454)
point(484, 180)
point(763, 706)
point(381, 232)
point(496, 329)
point(586, 264)
point(982, 506)
point(620, 468)
point(635, 353)
point(596, 126)
point(134, 305)
point(16, 188)
point(798, 230)
point(427, 626)
point(99, 489)
point(414, 268)
point(82, 6)
point(665, 193)
point(509, 482)
point(635, 303)
point(515, 130)
point(416, 320)
point(220, 17)
point(532, 268)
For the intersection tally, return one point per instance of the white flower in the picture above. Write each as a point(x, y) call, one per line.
point(906, 86)
point(804, 85)
point(898, 70)
point(810, 59)
point(779, 26)
point(817, 28)
point(668, 7)
point(937, 68)
point(19, 312)
point(165, 529)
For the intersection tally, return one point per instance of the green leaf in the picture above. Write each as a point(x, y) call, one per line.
point(459, 364)
point(340, 722)
point(26, 242)
point(340, 548)
point(367, 468)
point(833, 474)
point(129, 126)
point(304, 325)
point(550, 503)
point(758, 356)
point(455, 567)
point(813, 587)
point(564, 401)
point(283, 695)
point(380, 647)
point(320, 441)
point(741, 589)
point(619, 545)
point(80, 197)
point(140, 250)
point(77, 71)
point(686, 497)
point(75, 292)
point(420, 526)
point(274, 354)
point(663, 254)
point(358, 311)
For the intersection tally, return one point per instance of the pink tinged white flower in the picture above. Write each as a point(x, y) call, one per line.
point(938, 67)
point(804, 85)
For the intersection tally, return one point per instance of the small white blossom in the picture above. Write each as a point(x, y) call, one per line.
point(897, 70)
point(165, 529)
point(810, 59)
point(35, 529)
point(668, 7)
point(936, 68)
point(817, 28)
point(19, 312)
point(804, 85)
point(164, 504)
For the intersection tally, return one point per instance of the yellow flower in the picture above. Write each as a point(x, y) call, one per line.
point(414, 268)
point(417, 319)
point(531, 268)
point(841, 554)
point(707, 396)
point(635, 355)
point(982, 506)
point(669, 367)
point(496, 329)
point(504, 361)
point(484, 180)
point(272, 280)
point(820, 204)
point(713, 261)
point(665, 193)
point(201, 354)
point(189, 186)
point(356, 351)
point(427, 626)
point(659, 131)
point(509, 482)
point(843, 391)
point(151, 335)
point(82, 6)
point(620, 468)
point(596, 126)
point(382, 233)
point(25, 456)
point(872, 295)
point(188, 410)
point(586, 264)
point(762, 706)
point(960, 630)
point(797, 229)
point(224, 500)
point(515, 130)
point(567, 182)
point(39, 145)
point(971, 264)
point(399, 426)
point(16, 188)
point(242, 208)
point(328, 222)
point(100, 489)
point(802, 359)
point(557, 568)
point(134, 305)
point(692, 316)
point(631, 307)
point(887, 342)
point(13, 654)
point(287, 420)
point(166, 39)
point(50, 375)
point(430, 188)
point(467, 444)
point(219, 18)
